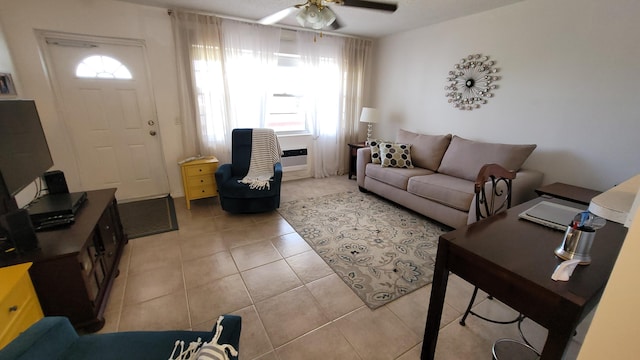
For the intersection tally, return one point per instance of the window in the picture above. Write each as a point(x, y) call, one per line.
point(102, 67)
point(284, 105)
point(284, 112)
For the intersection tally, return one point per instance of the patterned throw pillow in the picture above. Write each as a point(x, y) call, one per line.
point(375, 150)
point(396, 155)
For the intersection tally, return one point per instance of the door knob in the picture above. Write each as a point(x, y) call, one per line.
point(152, 132)
point(151, 122)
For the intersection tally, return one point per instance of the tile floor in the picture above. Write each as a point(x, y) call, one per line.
point(292, 304)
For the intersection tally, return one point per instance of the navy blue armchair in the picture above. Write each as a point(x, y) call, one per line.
point(237, 197)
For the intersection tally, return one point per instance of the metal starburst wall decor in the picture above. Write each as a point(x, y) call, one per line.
point(471, 82)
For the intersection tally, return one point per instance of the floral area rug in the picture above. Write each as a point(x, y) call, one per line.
point(380, 250)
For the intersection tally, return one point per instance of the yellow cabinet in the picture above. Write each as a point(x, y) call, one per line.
point(198, 178)
point(19, 305)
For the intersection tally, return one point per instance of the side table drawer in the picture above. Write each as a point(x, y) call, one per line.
point(20, 321)
point(15, 301)
point(196, 192)
point(201, 169)
point(195, 181)
point(19, 309)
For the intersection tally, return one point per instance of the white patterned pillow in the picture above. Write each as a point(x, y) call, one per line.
point(396, 155)
point(375, 150)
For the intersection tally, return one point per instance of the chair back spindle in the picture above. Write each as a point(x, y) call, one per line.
point(493, 188)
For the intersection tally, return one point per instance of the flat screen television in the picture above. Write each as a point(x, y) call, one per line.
point(24, 152)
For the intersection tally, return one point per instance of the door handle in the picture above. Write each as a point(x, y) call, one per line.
point(151, 122)
point(152, 132)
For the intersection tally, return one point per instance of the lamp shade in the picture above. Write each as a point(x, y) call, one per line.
point(369, 115)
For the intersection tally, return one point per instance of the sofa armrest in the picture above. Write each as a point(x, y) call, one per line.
point(363, 158)
point(523, 189)
point(48, 338)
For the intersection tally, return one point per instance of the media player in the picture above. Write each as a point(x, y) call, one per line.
point(54, 210)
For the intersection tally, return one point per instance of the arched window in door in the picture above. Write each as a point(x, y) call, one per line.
point(102, 67)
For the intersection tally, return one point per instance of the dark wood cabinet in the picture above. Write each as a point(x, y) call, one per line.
point(74, 267)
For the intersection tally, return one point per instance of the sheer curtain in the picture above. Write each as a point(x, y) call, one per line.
point(335, 69)
point(224, 68)
point(226, 71)
point(356, 58)
point(197, 41)
point(320, 62)
point(250, 59)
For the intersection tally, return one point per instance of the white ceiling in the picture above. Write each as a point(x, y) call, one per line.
point(411, 14)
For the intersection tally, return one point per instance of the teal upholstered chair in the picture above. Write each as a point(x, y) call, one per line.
point(55, 338)
point(236, 197)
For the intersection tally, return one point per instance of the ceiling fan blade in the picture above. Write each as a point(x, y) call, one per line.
point(371, 5)
point(274, 18)
point(335, 25)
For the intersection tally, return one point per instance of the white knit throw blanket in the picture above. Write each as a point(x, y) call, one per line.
point(265, 152)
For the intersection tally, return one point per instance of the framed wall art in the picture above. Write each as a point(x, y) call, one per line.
point(7, 88)
point(471, 82)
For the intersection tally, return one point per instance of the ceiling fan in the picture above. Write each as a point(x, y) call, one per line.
point(317, 15)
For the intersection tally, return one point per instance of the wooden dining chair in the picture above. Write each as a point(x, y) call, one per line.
point(493, 191)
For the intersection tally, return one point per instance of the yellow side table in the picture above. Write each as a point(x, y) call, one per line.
point(19, 305)
point(198, 178)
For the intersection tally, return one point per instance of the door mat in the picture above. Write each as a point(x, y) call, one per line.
point(147, 217)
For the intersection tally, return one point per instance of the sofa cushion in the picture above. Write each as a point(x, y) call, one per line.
point(396, 177)
point(464, 157)
point(426, 150)
point(448, 190)
point(396, 155)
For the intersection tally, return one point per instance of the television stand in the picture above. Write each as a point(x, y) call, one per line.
point(74, 267)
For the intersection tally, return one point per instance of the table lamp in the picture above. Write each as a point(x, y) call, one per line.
point(369, 116)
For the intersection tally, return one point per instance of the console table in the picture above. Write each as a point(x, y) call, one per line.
point(513, 259)
point(74, 267)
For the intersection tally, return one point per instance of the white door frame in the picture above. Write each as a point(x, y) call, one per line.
point(79, 40)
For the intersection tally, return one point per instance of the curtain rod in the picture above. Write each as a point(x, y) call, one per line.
point(286, 27)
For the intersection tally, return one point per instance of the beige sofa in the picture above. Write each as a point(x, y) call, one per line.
point(434, 175)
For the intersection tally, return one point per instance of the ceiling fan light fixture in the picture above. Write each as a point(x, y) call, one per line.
point(315, 17)
point(328, 16)
point(302, 16)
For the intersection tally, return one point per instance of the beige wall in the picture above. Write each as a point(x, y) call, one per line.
point(569, 76)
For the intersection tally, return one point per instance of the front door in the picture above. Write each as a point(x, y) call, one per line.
point(104, 94)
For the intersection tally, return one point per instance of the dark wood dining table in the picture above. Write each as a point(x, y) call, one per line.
point(513, 259)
